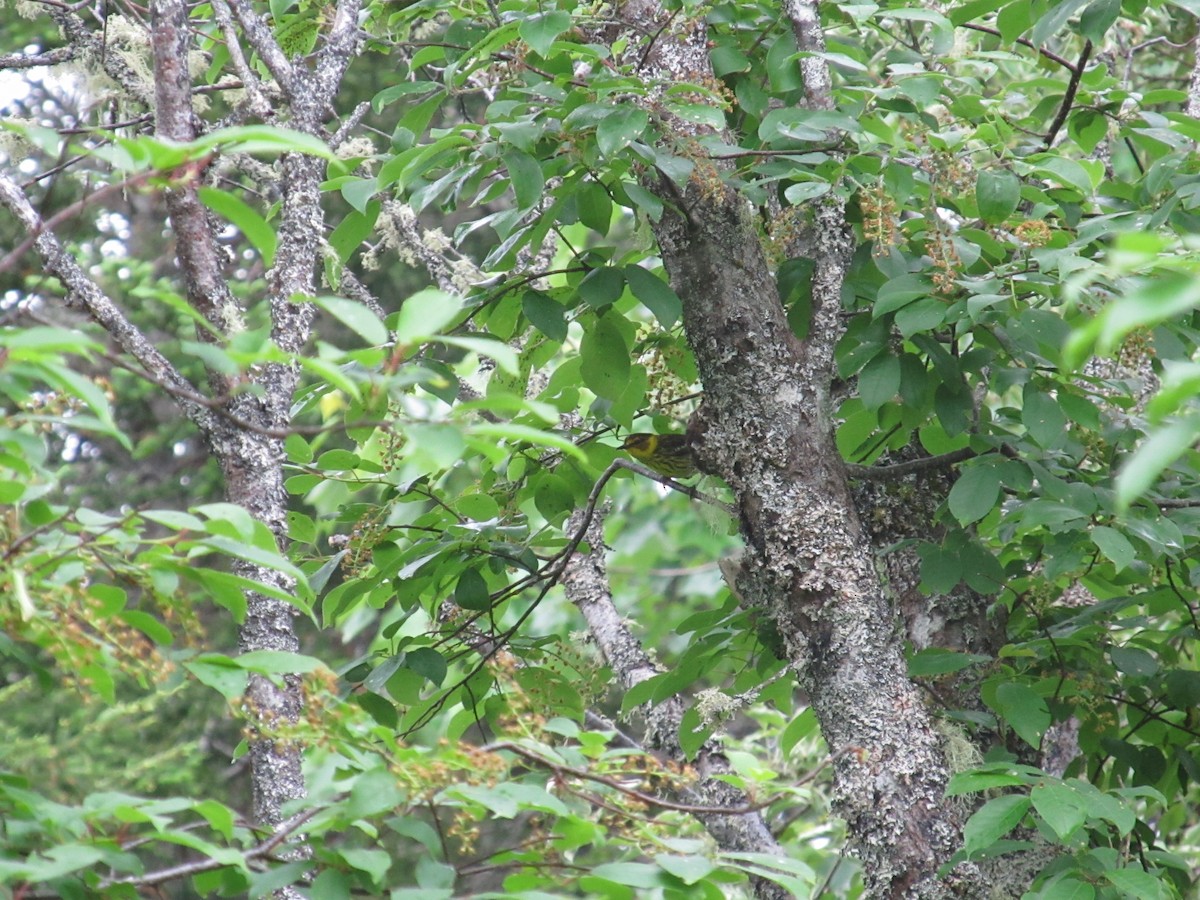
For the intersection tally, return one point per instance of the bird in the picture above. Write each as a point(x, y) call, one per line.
point(666, 454)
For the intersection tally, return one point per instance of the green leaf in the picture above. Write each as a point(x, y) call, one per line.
point(620, 128)
point(992, 821)
point(689, 869)
point(797, 194)
point(256, 229)
point(356, 317)
point(935, 661)
point(526, 177)
point(374, 862)
point(1059, 807)
point(1024, 709)
point(540, 30)
point(997, 195)
point(1043, 417)
point(638, 875)
point(547, 315)
point(277, 662)
point(472, 592)
point(879, 381)
point(1114, 545)
point(595, 206)
point(1137, 883)
point(1145, 303)
point(425, 314)
point(1134, 661)
point(1053, 21)
point(1161, 449)
point(226, 679)
point(644, 200)
point(524, 433)
point(898, 292)
point(604, 359)
point(990, 777)
point(267, 139)
point(975, 493)
point(427, 661)
point(504, 355)
point(655, 294)
point(602, 287)
point(1097, 18)
point(553, 498)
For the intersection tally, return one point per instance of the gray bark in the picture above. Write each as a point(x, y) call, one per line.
point(765, 428)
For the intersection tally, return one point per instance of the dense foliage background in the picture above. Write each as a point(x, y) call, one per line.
point(320, 328)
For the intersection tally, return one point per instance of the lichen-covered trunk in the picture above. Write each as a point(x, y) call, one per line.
point(764, 426)
point(254, 481)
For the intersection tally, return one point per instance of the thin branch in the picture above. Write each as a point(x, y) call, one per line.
point(195, 867)
point(83, 293)
point(195, 243)
point(89, 44)
point(900, 470)
point(648, 799)
point(1025, 42)
point(255, 101)
point(263, 41)
point(48, 225)
point(49, 58)
point(352, 121)
point(1069, 97)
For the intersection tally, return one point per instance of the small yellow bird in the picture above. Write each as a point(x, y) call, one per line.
point(666, 454)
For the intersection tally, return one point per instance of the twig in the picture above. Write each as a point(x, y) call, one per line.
point(1025, 42)
point(900, 470)
point(255, 100)
point(1069, 97)
point(674, 485)
point(50, 58)
point(86, 294)
point(45, 225)
point(650, 800)
point(184, 870)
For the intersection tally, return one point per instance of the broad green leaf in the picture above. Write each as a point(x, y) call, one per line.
point(504, 355)
point(601, 287)
point(1043, 417)
point(354, 316)
point(1059, 807)
point(547, 315)
point(605, 359)
point(1160, 450)
point(277, 662)
point(997, 194)
point(540, 29)
point(1097, 18)
point(656, 294)
point(879, 380)
point(935, 661)
point(472, 591)
point(524, 433)
point(1024, 709)
point(689, 869)
point(620, 128)
point(1114, 545)
point(595, 206)
point(975, 492)
point(992, 821)
point(425, 314)
point(267, 139)
point(525, 173)
point(898, 292)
